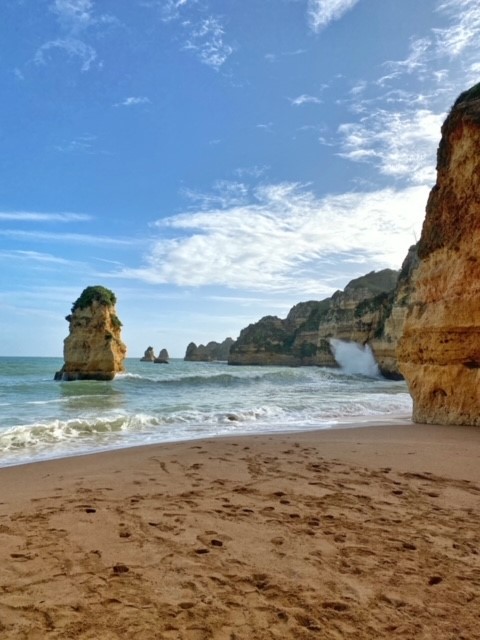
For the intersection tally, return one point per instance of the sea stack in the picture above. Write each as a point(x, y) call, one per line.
point(439, 352)
point(149, 355)
point(93, 350)
point(163, 357)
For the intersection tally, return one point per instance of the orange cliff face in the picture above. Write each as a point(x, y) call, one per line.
point(93, 350)
point(439, 352)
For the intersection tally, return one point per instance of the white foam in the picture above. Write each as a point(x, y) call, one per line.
point(355, 358)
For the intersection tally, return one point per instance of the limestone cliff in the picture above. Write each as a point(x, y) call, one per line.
point(213, 351)
point(93, 350)
point(357, 313)
point(439, 353)
point(385, 340)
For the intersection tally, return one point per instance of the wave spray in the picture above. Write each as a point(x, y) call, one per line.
point(353, 358)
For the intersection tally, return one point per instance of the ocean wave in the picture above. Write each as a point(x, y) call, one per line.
point(167, 426)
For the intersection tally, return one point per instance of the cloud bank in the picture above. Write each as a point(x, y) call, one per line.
point(285, 239)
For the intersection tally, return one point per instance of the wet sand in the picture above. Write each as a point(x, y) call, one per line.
point(364, 533)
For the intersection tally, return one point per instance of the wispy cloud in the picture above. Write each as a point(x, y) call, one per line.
point(397, 130)
point(459, 37)
point(225, 194)
point(75, 15)
point(401, 144)
point(322, 12)
point(273, 57)
point(75, 18)
point(285, 239)
point(37, 257)
point(206, 39)
point(200, 32)
point(35, 216)
point(82, 144)
point(305, 99)
point(73, 47)
point(170, 8)
point(75, 238)
point(133, 101)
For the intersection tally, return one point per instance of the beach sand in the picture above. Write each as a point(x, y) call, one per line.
point(370, 532)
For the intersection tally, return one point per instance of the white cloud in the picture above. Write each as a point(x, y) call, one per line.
point(76, 238)
point(74, 14)
point(285, 239)
point(225, 194)
point(38, 257)
point(206, 39)
point(35, 216)
point(75, 18)
point(456, 39)
point(305, 99)
point(401, 144)
point(397, 130)
point(170, 8)
point(72, 46)
point(133, 101)
point(322, 12)
point(82, 144)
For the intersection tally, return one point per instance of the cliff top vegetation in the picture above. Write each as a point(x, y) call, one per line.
point(469, 95)
point(97, 293)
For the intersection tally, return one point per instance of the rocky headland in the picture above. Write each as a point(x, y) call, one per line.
point(213, 351)
point(93, 350)
point(439, 353)
point(369, 310)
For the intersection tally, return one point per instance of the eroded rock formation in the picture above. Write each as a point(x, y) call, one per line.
point(439, 353)
point(149, 355)
point(210, 352)
point(93, 350)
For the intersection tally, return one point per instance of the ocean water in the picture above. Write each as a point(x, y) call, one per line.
point(152, 403)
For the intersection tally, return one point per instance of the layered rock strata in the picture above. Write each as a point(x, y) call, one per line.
point(93, 350)
point(439, 353)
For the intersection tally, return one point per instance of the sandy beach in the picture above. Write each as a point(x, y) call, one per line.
point(364, 533)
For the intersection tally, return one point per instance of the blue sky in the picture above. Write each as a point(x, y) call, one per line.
point(214, 161)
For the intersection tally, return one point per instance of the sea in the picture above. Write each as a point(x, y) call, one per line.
point(150, 403)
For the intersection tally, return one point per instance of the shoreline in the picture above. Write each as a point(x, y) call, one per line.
point(345, 422)
point(358, 532)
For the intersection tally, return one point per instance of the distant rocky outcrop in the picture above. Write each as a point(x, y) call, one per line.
point(163, 357)
point(213, 351)
point(148, 356)
point(358, 313)
point(93, 350)
point(439, 353)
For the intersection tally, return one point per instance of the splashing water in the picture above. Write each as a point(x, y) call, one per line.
point(354, 358)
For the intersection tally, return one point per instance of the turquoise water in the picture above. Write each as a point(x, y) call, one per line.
point(151, 403)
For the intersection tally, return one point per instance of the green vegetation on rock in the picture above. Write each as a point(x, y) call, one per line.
point(99, 294)
point(469, 95)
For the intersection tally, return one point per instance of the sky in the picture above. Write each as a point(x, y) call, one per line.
point(214, 161)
